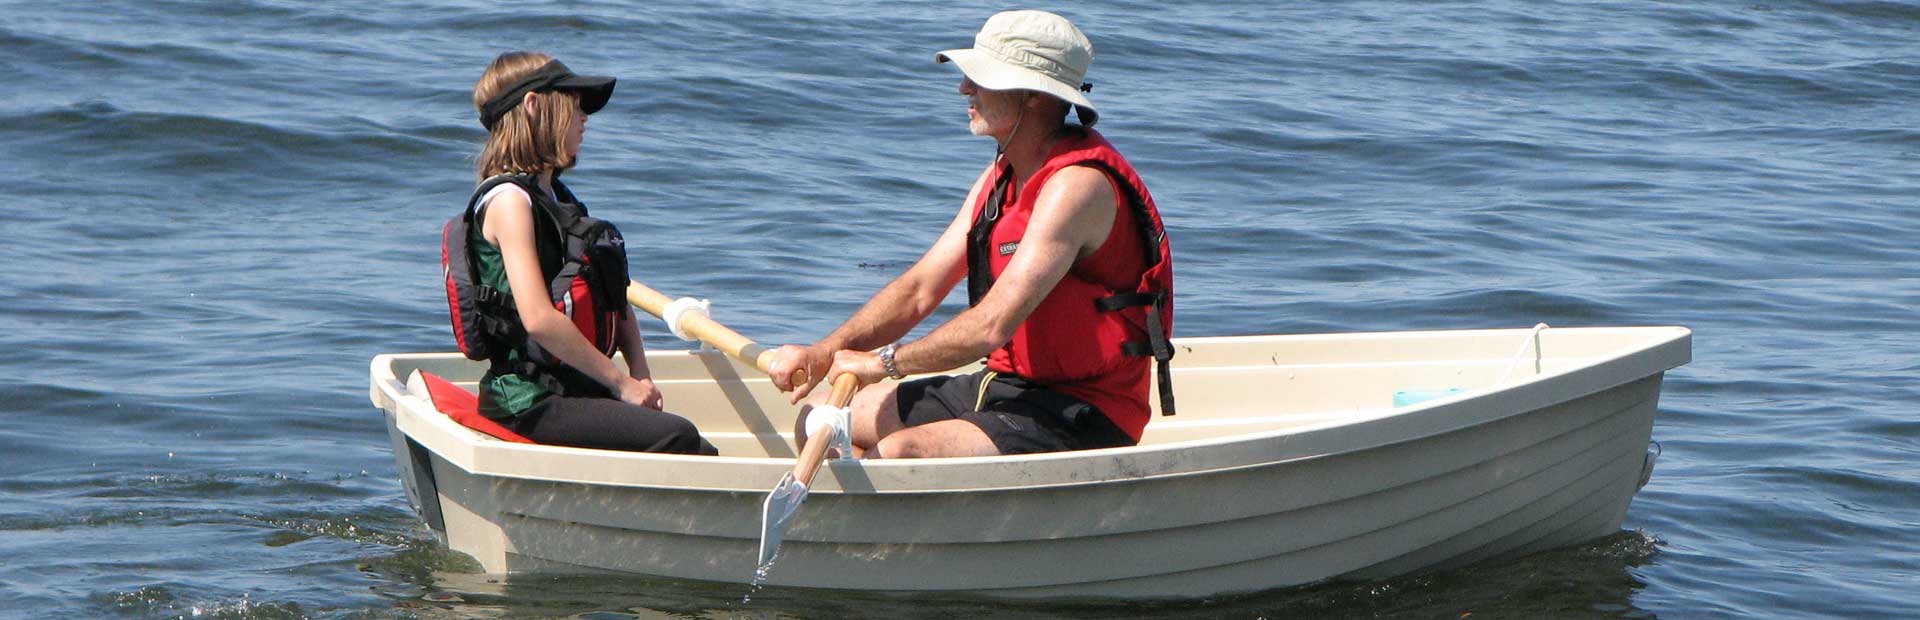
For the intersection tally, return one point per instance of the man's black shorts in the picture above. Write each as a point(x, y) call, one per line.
point(1020, 416)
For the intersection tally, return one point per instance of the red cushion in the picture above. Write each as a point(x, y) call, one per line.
point(464, 407)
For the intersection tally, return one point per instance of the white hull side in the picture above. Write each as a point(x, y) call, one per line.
point(1441, 502)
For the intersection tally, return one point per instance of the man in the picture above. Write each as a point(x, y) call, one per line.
point(1069, 279)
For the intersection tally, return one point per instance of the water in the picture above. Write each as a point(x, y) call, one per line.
point(221, 210)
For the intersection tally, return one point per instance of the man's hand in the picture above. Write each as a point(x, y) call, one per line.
point(792, 357)
point(862, 364)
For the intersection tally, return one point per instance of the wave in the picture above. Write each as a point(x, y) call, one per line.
point(220, 153)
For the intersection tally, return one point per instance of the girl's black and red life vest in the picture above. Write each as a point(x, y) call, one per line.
point(1092, 336)
point(584, 260)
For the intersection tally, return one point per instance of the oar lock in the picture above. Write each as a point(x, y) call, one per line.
point(833, 425)
point(677, 311)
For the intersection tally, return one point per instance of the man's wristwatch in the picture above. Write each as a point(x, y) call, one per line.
point(886, 359)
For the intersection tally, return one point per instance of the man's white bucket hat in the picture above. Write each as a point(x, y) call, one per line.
point(1030, 50)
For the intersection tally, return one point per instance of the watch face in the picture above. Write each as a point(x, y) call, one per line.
point(886, 359)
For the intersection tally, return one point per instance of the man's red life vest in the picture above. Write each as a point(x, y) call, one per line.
point(1092, 336)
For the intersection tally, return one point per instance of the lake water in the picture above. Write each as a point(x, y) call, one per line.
point(219, 211)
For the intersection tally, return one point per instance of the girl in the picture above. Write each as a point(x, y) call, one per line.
point(555, 319)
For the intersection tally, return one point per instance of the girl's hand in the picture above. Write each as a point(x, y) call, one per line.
point(642, 392)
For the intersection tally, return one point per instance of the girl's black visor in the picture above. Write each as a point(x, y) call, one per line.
point(594, 90)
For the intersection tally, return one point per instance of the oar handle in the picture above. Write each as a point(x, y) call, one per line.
point(815, 452)
point(709, 331)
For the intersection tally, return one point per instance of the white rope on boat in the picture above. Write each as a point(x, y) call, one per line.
point(1533, 339)
point(678, 310)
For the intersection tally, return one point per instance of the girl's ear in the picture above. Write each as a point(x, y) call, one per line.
point(526, 102)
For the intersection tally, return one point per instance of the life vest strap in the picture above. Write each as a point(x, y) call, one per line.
point(1126, 300)
point(979, 256)
point(1156, 345)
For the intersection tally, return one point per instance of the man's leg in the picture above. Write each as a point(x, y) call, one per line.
point(1007, 415)
point(876, 414)
point(937, 439)
point(931, 428)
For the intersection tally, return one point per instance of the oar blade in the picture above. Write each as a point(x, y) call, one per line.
point(775, 513)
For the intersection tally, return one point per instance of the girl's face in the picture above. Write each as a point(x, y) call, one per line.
point(577, 132)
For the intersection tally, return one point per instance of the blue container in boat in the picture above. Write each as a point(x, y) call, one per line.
point(1403, 398)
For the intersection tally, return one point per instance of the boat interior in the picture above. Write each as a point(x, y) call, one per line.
point(1223, 386)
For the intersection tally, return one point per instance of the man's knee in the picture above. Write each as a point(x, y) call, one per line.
point(875, 414)
point(903, 445)
point(939, 439)
point(800, 425)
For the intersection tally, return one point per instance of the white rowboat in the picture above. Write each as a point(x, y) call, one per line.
point(1289, 463)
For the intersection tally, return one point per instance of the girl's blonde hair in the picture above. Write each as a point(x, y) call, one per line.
point(521, 142)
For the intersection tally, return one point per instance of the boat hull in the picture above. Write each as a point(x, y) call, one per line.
point(1234, 499)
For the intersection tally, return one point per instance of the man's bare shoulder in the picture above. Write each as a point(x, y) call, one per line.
point(1079, 187)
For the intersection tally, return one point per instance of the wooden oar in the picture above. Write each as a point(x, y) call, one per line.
point(816, 450)
point(791, 491)
point(785, 498)
point(703, 328)
point(708, 331)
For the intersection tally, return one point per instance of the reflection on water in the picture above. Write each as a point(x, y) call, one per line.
point(1595, 580)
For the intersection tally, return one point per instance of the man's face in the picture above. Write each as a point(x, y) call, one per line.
point(991, 113)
